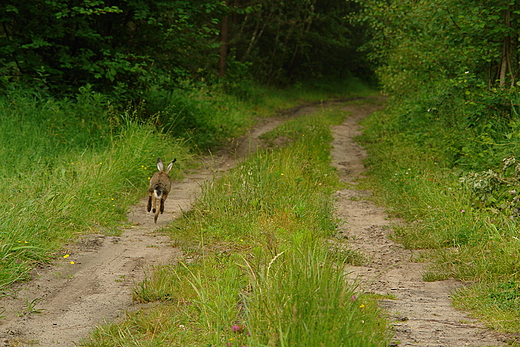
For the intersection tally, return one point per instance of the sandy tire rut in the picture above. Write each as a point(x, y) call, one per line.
point(64, 302)
point(420, 312)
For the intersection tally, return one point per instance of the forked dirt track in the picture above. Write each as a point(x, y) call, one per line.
point(64, 301)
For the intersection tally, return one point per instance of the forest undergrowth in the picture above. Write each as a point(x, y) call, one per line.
point(74, 165)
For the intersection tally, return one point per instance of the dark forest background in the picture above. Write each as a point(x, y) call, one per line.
point(126, 47)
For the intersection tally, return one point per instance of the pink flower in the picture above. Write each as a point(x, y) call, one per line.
point(236, 328)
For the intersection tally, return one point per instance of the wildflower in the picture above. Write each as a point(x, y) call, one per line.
point(66, 256)
point(353, 298)
point(236, 328)
point(72, 263)
point(462, 211)
point(361, 306)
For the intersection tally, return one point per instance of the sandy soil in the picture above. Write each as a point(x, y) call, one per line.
point(64, 302)
point(421, 312)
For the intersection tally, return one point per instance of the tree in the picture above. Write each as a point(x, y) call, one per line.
point(419, 41)
point(297, 39)
point(123, 47)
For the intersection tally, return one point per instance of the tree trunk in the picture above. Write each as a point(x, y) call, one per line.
point(223, 47)
point(505, 64)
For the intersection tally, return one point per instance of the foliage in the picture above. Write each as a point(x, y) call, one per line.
point(122, 48)
point(300, 39)
point(451, 67)
point(497, 190)
point(426, 41)
point(127, 47)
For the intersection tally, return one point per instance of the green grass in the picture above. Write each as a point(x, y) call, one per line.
point(74, 166)
point(258, 269)
point(67, 169)
point(498, 304)
point(417, 183)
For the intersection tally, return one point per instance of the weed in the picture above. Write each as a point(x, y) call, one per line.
point(30, 307)
point(66, 170)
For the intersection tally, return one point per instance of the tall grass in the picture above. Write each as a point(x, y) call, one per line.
point(67, 168)
point(464, 241)
point(207, 117)
point(258, 269)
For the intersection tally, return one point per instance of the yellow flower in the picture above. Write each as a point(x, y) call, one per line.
point(66, 256)
point(72, 263)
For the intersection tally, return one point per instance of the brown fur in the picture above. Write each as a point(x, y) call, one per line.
point(160, 186)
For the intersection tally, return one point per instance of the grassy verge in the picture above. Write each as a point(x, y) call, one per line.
point(66, 170)
point(74, 166)
point(257, 270)
point(463, 241)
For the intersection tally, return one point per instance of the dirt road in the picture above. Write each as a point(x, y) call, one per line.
point(94, 282)
point(421, 312)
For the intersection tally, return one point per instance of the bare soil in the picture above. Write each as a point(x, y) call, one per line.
point(64, 301)
point(420, 312)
